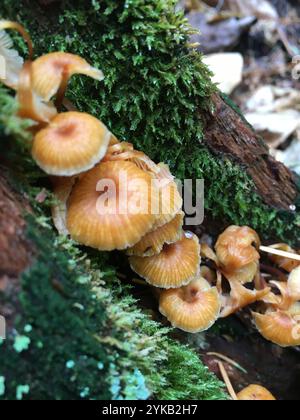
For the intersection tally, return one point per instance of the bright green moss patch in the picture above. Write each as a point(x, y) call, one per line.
point(155, 94)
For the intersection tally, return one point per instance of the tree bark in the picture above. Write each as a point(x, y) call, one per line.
point(227, 133)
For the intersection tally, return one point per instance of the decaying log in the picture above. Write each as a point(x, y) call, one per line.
point(227, 133)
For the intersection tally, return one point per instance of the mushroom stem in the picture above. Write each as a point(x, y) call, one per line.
point(62, 91)
point(227, 381)
point(7, 24)
point(274, 271)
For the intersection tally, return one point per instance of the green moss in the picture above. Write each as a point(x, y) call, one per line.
point(155, 94)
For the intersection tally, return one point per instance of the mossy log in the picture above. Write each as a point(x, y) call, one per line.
point(158, 94)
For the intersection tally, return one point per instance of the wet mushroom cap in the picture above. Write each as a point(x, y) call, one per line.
point(279, 327)
point(244, 274)
point(72, 143)
point(255, 393)
point(153, 243)
point(104, 212)
point(50, 69)
point(193, 308)
point(174, 267)
point(235, 248)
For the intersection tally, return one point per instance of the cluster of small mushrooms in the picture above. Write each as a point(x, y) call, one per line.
point(79, 152)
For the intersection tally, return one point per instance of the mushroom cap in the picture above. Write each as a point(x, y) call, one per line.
point(294, 283)
point(193, 308)
point(255, 393)
point(177, 265)
point(50, 70)
point(72, 143)
point(170, 200)
point(235, 248)
point(13, 61)
point(153, 243)
point(281, 328)
point(286, 264)
point(62, 188)
point(244, 274)
point(31, 105)
point(99, 215)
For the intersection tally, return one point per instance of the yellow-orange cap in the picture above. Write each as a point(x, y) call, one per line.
point(244, 274)
point(235, 247)
point(153, 242)
point(72, 143)
point(280, 327)
point(175, 266)
point(193, 308)
point(50, 70)
point(100, 216)
point(255, 393)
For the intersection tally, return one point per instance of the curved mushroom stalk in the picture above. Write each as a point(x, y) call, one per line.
point(73, 143)
point(176, 266)
point(104, 210)
point(240, 297)
point(237, 247)
point(62, 188)
point(193, 308)
point(153, 243)
point(255, 393)
point(31, 105)
point(52, 72)
point(208, 253)
point(286, 264)
point(280, 327)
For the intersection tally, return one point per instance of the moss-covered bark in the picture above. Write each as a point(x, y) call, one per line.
point(73, 332)
point(156, 94)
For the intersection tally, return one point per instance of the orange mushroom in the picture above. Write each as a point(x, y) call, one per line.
point(280, 327)
point(251, 393)
point(109, 208)
point(72, 143)
point(236, 248)
point(255, 393)
point(177, 265)
point(51, 73)
point(153, 243)
point(193, 308)
point(31, 105)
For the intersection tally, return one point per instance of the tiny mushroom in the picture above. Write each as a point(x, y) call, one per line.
point(177, 265)
point(237, 247)
point(193, 308)
point(153, 243)
point(104, 212)
point(255, 393)
point(51, 73)
point(72, 143)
